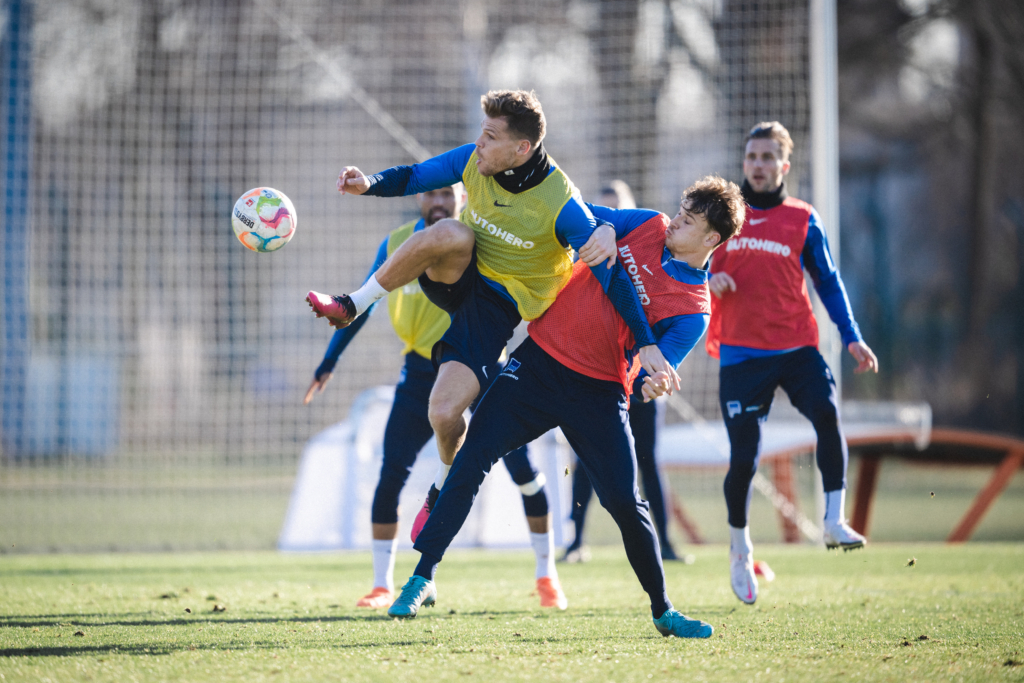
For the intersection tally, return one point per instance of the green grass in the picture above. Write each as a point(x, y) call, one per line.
point(956, 614)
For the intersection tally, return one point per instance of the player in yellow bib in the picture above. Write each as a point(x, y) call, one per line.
point(504, 261)
point(419, 324)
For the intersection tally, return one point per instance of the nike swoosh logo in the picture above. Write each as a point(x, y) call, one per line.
point(647, 269)
point(504, 206)
point(753, 221)
point(750, 592)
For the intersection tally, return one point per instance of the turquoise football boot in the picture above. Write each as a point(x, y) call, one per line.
point(672, 623)
point(416, 592)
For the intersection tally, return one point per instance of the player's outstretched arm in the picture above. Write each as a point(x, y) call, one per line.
point(399, 181)
point(864, 356)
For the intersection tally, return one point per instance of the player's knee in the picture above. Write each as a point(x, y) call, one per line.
point(536, 505)
point(385, 504)
point(621, 505)
point(446, 416)
point(449, 236)
point(824, 416)
point(740, 475)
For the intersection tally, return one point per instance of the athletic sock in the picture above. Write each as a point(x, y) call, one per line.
point(544, 550)
point(442, 474)
point(739, 540)
point(427, 566)
point(384, 563)
point(367, 295)
point(835, 505)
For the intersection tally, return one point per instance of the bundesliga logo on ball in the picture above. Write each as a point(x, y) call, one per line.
point(263, 219)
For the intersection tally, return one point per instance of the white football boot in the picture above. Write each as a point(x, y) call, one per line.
point(744, 581)
point(840, 535)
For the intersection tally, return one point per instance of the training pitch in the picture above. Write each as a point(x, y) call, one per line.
point(908, 612)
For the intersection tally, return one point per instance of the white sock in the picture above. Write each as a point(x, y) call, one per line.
point(365, 296)
point(544, 549)
point(835, 505)
point(739, 540)
point(442, 474)
point(384, 563)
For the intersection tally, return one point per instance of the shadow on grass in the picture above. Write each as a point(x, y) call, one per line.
point(163, 649)
point(57, 620)
point(284, 568)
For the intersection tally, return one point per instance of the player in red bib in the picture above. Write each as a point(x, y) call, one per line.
point(576, 371)
point(764, 331)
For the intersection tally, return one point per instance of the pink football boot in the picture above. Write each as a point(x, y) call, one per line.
point(339, 310)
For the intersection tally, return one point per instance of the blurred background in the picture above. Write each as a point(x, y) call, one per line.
point(153, 369)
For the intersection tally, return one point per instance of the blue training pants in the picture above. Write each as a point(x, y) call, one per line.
point(536, 393)
point(746, 390)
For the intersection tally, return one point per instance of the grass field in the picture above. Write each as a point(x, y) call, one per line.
point(956, 614)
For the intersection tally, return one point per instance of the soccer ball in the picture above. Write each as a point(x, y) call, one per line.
point(263, 219)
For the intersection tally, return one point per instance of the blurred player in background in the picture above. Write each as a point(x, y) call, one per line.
point(764, 331)
point(576, 370)
point(503, 261)
point(419, 324)
point(643, 418)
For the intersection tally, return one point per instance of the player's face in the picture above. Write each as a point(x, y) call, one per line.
point(689, 232)
point(497, 150)
point(763, 165)
point(438, 204)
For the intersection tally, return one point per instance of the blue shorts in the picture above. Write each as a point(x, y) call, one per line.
point(482, 322)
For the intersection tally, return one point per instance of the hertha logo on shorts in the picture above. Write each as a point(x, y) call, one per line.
point(510, 368)
point(734, 408)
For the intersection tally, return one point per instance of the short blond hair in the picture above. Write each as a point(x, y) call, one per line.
point(521, 111)
point(772, 130)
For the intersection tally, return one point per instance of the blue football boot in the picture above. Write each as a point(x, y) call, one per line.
point(417, 591)
point(672, 623)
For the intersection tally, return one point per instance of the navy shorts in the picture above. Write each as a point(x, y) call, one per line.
point(482, 322)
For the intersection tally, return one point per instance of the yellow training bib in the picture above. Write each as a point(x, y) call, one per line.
point(516, 245)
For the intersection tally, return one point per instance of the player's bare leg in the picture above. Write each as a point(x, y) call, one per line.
point(443, 251)
point(455, 389)
point(385, 542)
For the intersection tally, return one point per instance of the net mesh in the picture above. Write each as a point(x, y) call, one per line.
point(153, 368)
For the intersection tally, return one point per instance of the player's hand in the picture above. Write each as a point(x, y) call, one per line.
point(599, 247)
point(655, 386)
point(317, 386)
point(352, 181)
point(864, 356)
point(654, 362)
point(720, 283)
